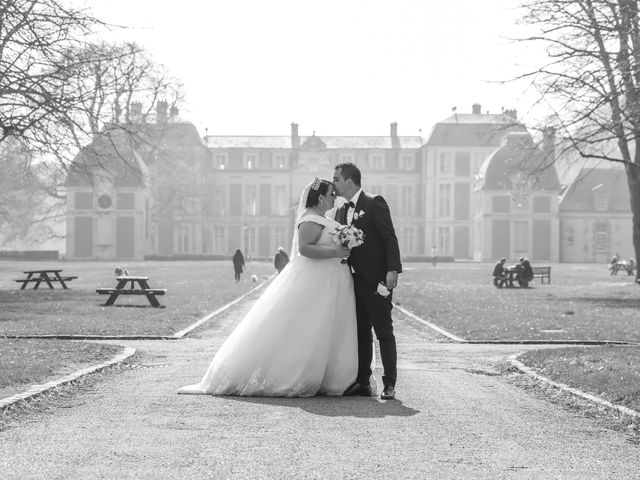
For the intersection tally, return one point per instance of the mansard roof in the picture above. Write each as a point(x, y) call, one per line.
point(121, 153)
point(591, 183)
point(473, 130)
point(331, 142)
point(518, 157)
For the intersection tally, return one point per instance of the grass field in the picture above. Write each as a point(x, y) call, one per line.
point(610, 372)
point(194, 289)
point(583, 302)
point(25, 362)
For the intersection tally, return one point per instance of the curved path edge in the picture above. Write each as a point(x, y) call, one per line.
point(209, 316)
point(39, 389)
point(432, 326)
point(513, 359)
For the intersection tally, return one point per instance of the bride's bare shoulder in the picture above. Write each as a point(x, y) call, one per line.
point(312, 216)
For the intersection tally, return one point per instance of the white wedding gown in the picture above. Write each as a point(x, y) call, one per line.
point(298, 339)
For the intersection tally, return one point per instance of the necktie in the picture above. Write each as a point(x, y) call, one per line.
point(350, 205)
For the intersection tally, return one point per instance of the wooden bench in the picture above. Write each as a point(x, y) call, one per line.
point(542, 273)
point(128, 291)
point(24, 281)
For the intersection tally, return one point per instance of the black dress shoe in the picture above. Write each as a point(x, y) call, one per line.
point(352, 390)
point(355, 389)
point(389, 393)
point(365, 391)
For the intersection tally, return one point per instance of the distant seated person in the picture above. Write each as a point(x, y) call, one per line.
point(500, 274)
point(525, 273)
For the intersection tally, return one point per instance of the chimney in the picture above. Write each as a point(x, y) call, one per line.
point(511, 113)
point(476, 109)
point(549, 143)
point(173, 112)
point(161, 111)
point(295, 138)
point(394, 130)
point(135, 112)
point(395, 141)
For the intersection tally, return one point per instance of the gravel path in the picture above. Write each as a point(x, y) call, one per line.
point(455, 418)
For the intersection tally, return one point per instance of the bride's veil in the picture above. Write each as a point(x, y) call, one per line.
point(301, 208)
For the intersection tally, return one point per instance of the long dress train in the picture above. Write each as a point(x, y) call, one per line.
point(298, 339)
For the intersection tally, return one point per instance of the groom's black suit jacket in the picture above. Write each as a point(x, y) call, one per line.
point(379, 253)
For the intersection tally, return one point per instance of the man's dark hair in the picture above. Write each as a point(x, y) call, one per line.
point(350, 171)
point(314, 195)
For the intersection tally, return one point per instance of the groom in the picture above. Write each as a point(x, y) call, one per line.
point(376, 261)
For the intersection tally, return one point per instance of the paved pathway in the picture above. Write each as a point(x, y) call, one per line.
point(453, 420)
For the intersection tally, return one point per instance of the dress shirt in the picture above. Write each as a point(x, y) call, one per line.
point(351, 211)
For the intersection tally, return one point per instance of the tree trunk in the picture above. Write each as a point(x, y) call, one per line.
point(633, 178)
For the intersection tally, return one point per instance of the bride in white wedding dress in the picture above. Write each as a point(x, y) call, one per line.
point(299, 338)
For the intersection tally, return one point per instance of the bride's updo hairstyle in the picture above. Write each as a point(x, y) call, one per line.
point(318, 187)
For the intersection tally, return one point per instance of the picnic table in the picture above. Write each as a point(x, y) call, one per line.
point(142, 288)
point(625, 265)
point(47, 276)
point(511, 273)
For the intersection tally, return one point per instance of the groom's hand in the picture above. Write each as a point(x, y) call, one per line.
point(392, 280)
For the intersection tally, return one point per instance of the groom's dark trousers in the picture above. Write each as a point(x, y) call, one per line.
point(374, 311)
point(370, 263)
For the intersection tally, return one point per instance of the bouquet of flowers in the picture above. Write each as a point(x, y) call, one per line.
point(348, 236)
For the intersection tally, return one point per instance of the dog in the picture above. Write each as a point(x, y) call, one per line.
point(121, 272)
point(254, 278)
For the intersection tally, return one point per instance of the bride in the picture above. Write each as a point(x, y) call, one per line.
point(299, 338)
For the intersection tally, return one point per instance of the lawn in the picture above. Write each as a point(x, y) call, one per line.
point(25, 362)
point(583, 302)
point(610, 372)
point(194, 289)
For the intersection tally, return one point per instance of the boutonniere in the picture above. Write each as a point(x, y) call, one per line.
point(359, 214)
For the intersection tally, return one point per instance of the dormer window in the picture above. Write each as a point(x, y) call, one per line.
point(250, 161)
point(279, 161)
point(220, 161)
point(601, 203)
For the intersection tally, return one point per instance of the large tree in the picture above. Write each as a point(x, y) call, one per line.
point(60, 88)
point(34, 38)
point(592, 79)
point(119, 87)
point(26, 209)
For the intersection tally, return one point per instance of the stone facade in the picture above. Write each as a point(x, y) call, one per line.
point(595, 217)
point(477, 188)
point(516, 202)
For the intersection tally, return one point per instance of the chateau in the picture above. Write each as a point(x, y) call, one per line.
point(476, 188)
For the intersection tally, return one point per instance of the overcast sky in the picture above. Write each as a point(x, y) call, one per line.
point(336, 67)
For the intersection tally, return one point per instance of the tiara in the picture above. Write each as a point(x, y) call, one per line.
point(316, 184)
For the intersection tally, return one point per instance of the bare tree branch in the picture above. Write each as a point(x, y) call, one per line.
point(593, 76)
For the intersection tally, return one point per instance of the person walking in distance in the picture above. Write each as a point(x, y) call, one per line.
point(281, 259)
point(238, 264)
